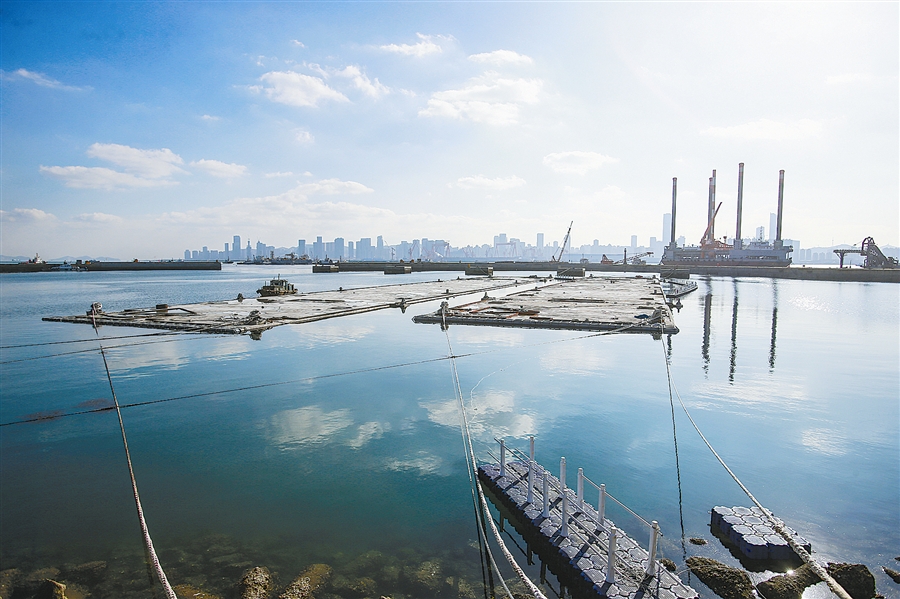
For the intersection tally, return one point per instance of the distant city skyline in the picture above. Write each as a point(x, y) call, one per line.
point(133, 128)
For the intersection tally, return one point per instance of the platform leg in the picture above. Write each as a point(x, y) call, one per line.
point(651, 560)
point(502, 457)
point(611, 558)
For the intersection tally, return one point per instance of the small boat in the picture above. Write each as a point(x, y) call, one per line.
point(675, 288)
point(66, 267)
point(277, 286)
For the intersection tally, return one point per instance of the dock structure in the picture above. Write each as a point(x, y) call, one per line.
point(629, 304)
point(255, 315)
point(579, 542)
point(578, 537)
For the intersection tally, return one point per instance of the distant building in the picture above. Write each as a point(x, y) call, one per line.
point(364, 249)
point(760, 234)
point(633, 241)
point(773, 226)
point(318, 249)
point(339, 248)
point(236, 247)
point(301, 247)
point(187, 254)
point(667, 228)
point(350, 253)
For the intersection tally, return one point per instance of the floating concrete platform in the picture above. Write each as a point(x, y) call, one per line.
point(259, 314)
point(632, 304)
point(580, 554)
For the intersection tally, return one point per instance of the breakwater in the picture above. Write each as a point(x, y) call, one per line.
point(858, 275)
point(109, 266)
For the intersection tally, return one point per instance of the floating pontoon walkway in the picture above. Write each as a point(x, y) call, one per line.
point(560, 523)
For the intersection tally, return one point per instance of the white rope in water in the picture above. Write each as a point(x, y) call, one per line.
point(148, 542)
point(776, 524)
point(471, 459)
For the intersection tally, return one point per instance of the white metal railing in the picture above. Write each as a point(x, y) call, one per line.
point(596, 517)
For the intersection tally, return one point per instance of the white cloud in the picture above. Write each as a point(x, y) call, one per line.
point(765, 129)
point(45, 81)
point(496, 184)
point(576, 162)
point(97, 217)
point(490, 99)
point(363, 83)
point(304, 136)
point(278, 174)
point(26, 215)
point(333, 187)
point(219, 169)
point(297, 89)
point(209, 117)
point(297, 43)
point(84, 177)
point(501, 57)
point(850, 78)
point(150, 164)
point(422, 48)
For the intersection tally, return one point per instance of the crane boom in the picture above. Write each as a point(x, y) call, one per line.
point(562, 248)
point(709, 226)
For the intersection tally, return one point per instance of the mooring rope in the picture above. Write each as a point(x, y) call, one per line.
point(474, 466)
point(148, 542)
point(776, 524)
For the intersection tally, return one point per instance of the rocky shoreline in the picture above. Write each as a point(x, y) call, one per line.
point(217, 568)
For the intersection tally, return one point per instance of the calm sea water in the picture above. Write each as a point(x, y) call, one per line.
point(795, 383)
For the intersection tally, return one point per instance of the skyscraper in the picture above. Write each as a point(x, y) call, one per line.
point(667, 228)
point(236, 247)
point(339, 248)
point(301, 247)
point(773, 226)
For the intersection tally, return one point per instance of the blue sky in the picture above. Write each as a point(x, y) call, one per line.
point(140, 129)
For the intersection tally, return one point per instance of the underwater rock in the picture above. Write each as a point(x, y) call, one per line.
point(50, 589)
point(668, 564)
point(724, 581)
point(697, 541)
point(855, 578)
point(895, 576)
point(89, 573)
point(356, 587)
point(8, 579)
point(313, 578)
point(367, 563)
point(186, 591)
point(32, 582)
point(255, 583)
point(427, 579)
point(788, 586)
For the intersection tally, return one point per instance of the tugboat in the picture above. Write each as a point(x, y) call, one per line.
point(277, 286)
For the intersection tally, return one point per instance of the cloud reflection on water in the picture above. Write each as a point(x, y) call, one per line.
point(306, 426)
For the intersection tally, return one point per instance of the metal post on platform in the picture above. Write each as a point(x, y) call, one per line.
point(601, 506)
point(531, 448)
point(530, 497)
point(580, 487)
point(564, 525)
point(546, 491)
point(562, 473)
point(651, 560)
point(502, 457)
point(611, 557)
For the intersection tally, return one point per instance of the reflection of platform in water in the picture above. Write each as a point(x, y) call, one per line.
point(581, 550)
point(632, 304)
point(259, 314)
